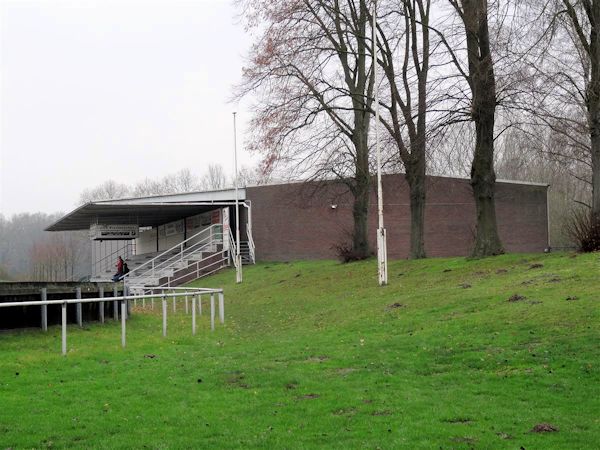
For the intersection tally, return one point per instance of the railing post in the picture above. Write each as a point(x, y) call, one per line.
point(212, 311)
point(79, 308)
point(64, 327)
point(174, 305)
point(193, 315)
point(164, 311)
point(186, 305)
point(123, 321)
point(199, 304)
point(127, 302)
point(221, 307)
point(115, 304)
point(101, 304)
point(44, 310)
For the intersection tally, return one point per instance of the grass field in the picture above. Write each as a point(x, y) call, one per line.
point(314, 354)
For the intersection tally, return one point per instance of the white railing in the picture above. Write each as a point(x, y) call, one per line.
point(195, 293)
point(251, 247)
point(232, 249)
point(100, 266)
point(207, 240)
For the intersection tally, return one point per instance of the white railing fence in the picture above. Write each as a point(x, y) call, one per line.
point(194, 293)
point(206, 241)
point(108, 261)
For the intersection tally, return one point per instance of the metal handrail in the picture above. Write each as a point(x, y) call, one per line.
point(179, 257)
point(181, 244)
point(111, 256)
point(251, 245)
point(124, 299)
point(233, 249)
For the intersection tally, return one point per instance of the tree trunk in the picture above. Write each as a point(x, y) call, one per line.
point(483, 181)
point(362, 191)
point(482, 81)
point(415, 176)
point(593, 107)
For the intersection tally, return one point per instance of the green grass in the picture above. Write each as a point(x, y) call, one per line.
point(313, 355)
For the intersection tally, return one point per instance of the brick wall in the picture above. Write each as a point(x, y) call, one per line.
point(296, 221)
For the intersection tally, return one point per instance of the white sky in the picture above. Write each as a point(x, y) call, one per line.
point(123, 90)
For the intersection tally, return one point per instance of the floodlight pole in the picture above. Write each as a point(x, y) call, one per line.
point(381, 235)
point(238, 259)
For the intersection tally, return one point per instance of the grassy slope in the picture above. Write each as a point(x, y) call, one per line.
point(312, 355)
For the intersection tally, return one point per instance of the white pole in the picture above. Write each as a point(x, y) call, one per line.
point(123, 321)
point(238, 259)
point(221, 308)
point(193, 315)
point(381, 235)
point(64, 328)
point(164, 311)
point(212, 312)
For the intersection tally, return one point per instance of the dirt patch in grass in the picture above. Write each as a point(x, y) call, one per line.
point(527, 282)
point(536, 266)
point(516, 298)
point(554, 280)
point(150, 356)
point(320, 358)
point(500, 271)
point(308, 397)
point(459, 420)
point(544, 428)
point(237, 380)
point(345, 371)
point(572, 298)
point(383, 412)
point(465, 285)
point(348, 412)
point(395, 306)
point(291, 385)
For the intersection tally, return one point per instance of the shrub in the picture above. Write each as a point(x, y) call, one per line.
point(584, 231)
point(346, 253)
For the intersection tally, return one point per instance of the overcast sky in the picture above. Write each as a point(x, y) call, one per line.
point(123, 90)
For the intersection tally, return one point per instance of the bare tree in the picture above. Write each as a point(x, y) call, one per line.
point(481, 80)
point(315, 82)
point(214, 178)
point(106, 191)
point(407, 102)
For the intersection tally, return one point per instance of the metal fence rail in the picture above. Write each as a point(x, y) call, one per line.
point(195, 293)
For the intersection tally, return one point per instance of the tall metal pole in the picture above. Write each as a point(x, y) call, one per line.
point(238, 259)
point(381, 235)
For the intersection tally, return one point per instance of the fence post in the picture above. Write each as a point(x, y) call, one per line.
point(221, 307)
point(115, 304)
point(193, 316)
point(79, 308)
point(174, 306)
point(101, 304)
point(199, 304)
point(127, 302)
point(64, 328)
point(186, 305)
point(123, 321)
point(44, 310)
point(212, 311)
point(164, 308)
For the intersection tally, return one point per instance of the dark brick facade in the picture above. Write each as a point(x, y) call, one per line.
point(296, 221)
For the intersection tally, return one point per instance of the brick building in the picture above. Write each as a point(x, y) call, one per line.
point(282, 222)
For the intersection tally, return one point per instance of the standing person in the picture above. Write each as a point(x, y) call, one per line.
point(117, 276)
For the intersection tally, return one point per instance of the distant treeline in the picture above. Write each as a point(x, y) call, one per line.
point(27, 252)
